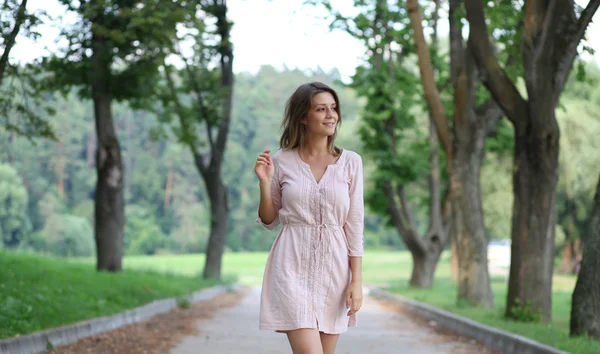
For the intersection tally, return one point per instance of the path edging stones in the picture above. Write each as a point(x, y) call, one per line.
point(491, 337)
point(63, 335)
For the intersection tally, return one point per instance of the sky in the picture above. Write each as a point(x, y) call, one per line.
point(276, 32)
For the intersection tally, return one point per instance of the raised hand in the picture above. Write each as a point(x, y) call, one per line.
point(264, 167)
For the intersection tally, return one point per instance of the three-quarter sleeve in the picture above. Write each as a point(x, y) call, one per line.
point(354, 225)
point(275, 196)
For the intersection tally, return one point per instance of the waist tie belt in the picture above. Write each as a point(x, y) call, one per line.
point(320, 229)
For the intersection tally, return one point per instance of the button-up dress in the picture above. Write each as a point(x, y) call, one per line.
point(308, 271)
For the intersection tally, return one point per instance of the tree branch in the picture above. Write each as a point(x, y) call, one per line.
point(10, 41)
point(430, 89)
point(565, 63)
point(406, 208)
point(491, 113)
point(409, 234)
point(203, 115)
point(226, 52)
point(493, 76)
point(188, 138)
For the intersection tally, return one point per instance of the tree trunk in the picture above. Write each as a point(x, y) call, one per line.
point(585, 310)
point(467, 213)
point(471, 127)
point(567, 259)
point(454, 257)
point(91, 146)
point(169, 186)
point(60, 169)
point(109, 205)
point(534, 178)
point(424, 266)
point(219, 214)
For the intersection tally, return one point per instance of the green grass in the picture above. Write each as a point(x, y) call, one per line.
point(38, 292)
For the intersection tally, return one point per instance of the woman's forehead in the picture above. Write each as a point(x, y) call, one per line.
point(323, 98)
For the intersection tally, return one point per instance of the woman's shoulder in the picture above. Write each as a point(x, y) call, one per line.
point(281, 156)
point(351, 157)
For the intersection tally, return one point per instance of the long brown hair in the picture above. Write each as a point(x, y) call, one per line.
point(296, 110)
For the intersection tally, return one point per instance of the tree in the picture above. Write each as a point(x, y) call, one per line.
point(19, 97)
point(9, 33)
point(551, 34)
point(585, 310)
point(463, 143)
point(386, 134)
point(115, 42)
point(207, 111)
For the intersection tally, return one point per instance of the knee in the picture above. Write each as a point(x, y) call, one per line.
point(309, 351)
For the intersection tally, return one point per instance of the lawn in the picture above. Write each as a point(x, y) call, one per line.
point(39, 292)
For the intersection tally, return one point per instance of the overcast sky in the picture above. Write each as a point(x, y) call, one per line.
point(276, 32)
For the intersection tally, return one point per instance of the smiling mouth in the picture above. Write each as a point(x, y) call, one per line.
point(330, 124)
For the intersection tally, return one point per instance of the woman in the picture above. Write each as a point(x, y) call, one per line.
point(312, 286)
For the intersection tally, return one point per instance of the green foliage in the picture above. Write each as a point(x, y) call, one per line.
point(135, 33)
point(192, 96)
point(68, 236)
point(14, 222)
point(142, 234)
point(21, 104)
point(524, 313)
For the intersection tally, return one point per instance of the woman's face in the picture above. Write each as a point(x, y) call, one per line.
point(322, 117)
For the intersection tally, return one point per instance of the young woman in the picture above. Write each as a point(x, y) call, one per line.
point(312, 285)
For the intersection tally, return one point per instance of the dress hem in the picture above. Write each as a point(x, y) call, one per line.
point(282, 329)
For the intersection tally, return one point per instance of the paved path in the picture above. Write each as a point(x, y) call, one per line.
point(382, 330)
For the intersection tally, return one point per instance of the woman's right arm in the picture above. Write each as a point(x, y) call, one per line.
point(270, 191)
point(266, 210)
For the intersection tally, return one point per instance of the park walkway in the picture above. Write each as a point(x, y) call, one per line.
point(383, 329)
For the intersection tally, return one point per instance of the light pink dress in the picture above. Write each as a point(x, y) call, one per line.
point(308, 270)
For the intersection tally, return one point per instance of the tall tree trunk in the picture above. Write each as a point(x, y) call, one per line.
point(169, 186)
point(91, 146)
point(585, 310)
point(471, 127)
point(424, 266)
point(468, 220)
point(109, 205)
point(219, 216)
point(567, 259)
point(535, 177)
point(60, 169)
point(212, 176)
point(453, 255)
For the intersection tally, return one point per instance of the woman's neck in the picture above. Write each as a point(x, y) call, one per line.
point(315, 147)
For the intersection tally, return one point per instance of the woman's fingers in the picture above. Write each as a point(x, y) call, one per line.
point(262, 161)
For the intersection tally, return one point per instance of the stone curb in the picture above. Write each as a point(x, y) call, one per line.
point(39, 341)
point(493, 338)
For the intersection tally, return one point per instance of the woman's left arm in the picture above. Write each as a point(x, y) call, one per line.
point(354, 228)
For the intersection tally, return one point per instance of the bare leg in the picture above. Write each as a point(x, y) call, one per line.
point(305, 341)
point(329, 341)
